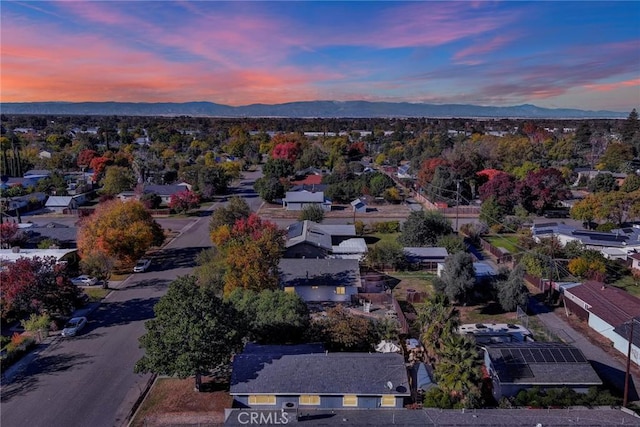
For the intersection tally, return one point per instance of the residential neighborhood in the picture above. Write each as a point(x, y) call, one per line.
point(341, 275)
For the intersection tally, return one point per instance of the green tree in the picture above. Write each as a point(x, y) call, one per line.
point(424, 228)
point(99, 265)
point(491, 212)
point(237, 208)
point(272, 317)
point(453, 243)
point(616, 157)
point(193, 333)
point(513, 292)
point(384, 254)
point(603, 182)
point(277, 168)
point(458, 277)
point(269, 189)
point(116, 180)
point(312, 213)
point(631, 183)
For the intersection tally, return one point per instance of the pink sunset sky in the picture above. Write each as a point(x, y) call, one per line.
point(552, 54)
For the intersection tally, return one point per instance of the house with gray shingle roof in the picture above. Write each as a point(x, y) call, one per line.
point(308, 239)
point(298, 200)
point(517, 366)
point(284, 377)
point(319, 280)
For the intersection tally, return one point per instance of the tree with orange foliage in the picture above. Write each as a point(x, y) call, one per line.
point(99, 164)
point(251, 250)
point(85, 157)
point(286, 150)
point(428, 170)
point(122, 230)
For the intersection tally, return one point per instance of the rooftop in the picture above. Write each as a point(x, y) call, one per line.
point(538, 363)
point(319, 373)
point(609, 303)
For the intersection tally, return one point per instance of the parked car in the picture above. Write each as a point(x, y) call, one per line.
point(73, 326)
point(142, 265)
point(84, 280)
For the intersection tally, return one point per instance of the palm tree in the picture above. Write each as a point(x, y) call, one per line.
point(438, 320)
point(458, 372)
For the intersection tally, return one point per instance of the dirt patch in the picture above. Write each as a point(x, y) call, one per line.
point(487, 313)
point(174, 402)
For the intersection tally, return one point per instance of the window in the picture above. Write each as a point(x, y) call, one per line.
point(265, 399)
point(350, 400)
point(309, 399)
point(341, 290)
point(388, 400)
point(289, 289)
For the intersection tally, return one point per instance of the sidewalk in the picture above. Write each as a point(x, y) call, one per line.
point(14, 370)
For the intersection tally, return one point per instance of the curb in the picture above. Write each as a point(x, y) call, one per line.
point(138, 403)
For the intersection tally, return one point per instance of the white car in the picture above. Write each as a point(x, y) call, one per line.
point(142, 265)
point(84, 280)
point(73, 326)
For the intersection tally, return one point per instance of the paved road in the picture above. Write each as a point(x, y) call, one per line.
point(88, 380)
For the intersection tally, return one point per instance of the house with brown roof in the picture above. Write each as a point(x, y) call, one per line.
point(608, 311)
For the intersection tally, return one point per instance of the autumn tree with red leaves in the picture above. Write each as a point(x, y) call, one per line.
point(99, 164)
point(286, 150)
point(85, 157)
point(251, 250)
point(37, 285)
point(542, 189)
point(184, 201)
point(9, 233)
point(122, 230)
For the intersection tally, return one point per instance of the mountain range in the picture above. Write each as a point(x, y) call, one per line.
point(309, 109)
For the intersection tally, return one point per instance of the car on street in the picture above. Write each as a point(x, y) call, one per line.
point(84, 280)
point(73, 326)
point(142, 265)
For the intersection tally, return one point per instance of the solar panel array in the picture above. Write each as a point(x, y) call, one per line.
point(525, 356)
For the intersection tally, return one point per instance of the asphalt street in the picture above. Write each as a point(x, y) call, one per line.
point(88, 380)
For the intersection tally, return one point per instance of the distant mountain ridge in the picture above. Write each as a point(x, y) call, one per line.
point(307, 109)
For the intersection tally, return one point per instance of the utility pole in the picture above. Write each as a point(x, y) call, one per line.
point(625, 399)
point(457, 201)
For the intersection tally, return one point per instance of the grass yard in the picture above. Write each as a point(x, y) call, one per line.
point(505, 241)
point(173, 401)
point(629, 284)
point(373, 238)
point(96, 293)
point(417, 280)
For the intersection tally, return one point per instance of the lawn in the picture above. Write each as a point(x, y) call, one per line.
point(505, 241)
point(416, 280)
point(96, 293)
point(173, 401)
point(373, 238)
point(629, 284)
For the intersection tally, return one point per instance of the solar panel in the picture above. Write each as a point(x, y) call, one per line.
point(537, 355)
point(528, 357)
point(548, 357)
point(519, 371)
point(557, 355)
point(578, 356)
point(567, 355)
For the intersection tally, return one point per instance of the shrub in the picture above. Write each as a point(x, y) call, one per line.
point(386, 227)
point(312, 213)
point(360, 228)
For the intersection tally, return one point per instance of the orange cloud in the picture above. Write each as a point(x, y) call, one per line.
point(607, 87)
